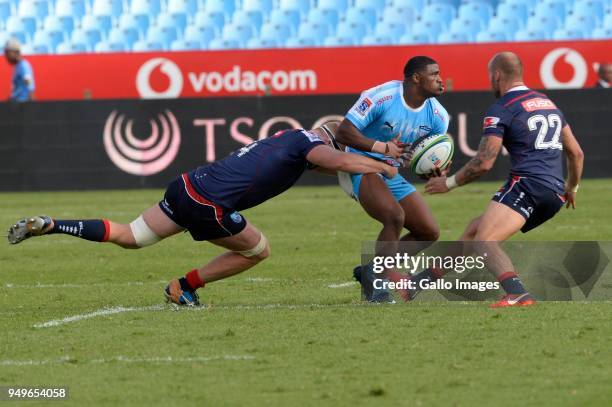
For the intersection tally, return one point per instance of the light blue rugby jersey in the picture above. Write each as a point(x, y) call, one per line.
point(382, 114)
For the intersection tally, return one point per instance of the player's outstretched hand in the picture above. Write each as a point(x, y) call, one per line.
point(570, 199)
point(436, 185)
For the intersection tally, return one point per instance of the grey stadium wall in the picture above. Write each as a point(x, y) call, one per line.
point(145, 143)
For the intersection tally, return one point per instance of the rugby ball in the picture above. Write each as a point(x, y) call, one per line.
point(429, 152)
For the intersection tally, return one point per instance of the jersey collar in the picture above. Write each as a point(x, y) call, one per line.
point(412, 109)
point(517, 88)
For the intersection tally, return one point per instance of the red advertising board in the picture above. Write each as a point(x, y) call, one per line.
point(548, 65)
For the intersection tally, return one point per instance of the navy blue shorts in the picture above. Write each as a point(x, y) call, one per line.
point(535, 202)
point(204, 219)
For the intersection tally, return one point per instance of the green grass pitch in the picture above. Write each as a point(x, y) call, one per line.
point(279, 335)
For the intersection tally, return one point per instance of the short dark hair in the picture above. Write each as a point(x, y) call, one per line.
point(417, 64)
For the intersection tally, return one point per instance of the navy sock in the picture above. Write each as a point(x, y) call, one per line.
point(96, 230)
point(511, 283)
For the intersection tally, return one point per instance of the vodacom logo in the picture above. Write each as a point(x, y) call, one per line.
point(571, 57)
point(169, 68)
point(140, 156)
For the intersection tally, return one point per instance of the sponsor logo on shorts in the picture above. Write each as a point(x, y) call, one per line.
point(236, 217)
point(363, 107)
point(490, 122)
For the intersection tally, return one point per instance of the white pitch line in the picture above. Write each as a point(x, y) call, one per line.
point(98, 313)
point(343, 285)
point(125, 359)
point(72, 285)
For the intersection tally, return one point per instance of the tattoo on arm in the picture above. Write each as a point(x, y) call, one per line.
point(487, 151)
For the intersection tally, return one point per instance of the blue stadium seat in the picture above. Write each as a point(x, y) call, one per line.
point(52, 38)
point(20, 28)
point(221, 44)
point(65, 24)
point(108, 46)
point(148, 45)
point(288, 16)
point(443, 13)
point(513, 10)
point(100, 22)
point(185, 45)
point(5, 11)
point(391, 29)
point(581, 22)
point(248, 17)
point(556, 8)
point(328, 16)
point(277, 32)
point(189, 7)
point(568, 34)
point(416, 38)
point(263, 6)
point(491, 36)
point(203, 34)
point(506, 24)
point(548, 24)
point(124, 35)
point(302, 6)
point(377, 5)
point(210, 18)
point(531, 34)
point(162, 35)
point(529, 4)
point(428, 29)
point(454, 3)
point(402, 15)
point(593, 8)
point(353, 30)
point(364, 16)
point(339, 5)
point(39, 9)
point(602, 33)
point(376, 39)
point(449, 37)
point(300, 42)
point(42, 43)
point(72, 8)
point(175, 20)
point(414, 4)
point(468, 26)
point(88, 37)
point(238, 32)
point(71, 48)
point(317, 31)
point(139, 22)
point(607, 22)
point(147, 7)
point(339, 42)
point(112, 8)
point(226, 7)
point(476, 10)
point(259, 43)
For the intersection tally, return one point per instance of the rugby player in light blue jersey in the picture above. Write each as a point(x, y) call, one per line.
point(385, 120)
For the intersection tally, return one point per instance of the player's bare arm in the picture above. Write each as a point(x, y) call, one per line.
point(575, 163)
point(330, 159)
point(488, 150)
point(349, 135)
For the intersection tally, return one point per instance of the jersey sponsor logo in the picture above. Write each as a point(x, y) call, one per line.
point(363, 107)
point(383, 99)
point(236, 217)
point(490, 122)
point(531, 105)
point(312, 136)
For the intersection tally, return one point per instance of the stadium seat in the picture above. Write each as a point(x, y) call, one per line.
point(178, 21)
point(568, 34)
point(39, 9)
point(468, 26)
point(147, 7)
point(529, 4)
point(354, 30)
point(416, 38)
point(259, 43)
point(454, 3)
point(402, 15)
point(364, 16)
point(288, 16)
point(210, 18)
point(582, 22)
point(301, 6)
point(162, 35)
point(222, 43)
point(450, 37)
point(513, 10)
point(17, 28)
point(277, 32)
point(189, 7)
point(202, 34)
point(112, 8)
point(551, 8)
point(377, 5)
point(253, 18)
point(65, 24)
point(328, 16)
point(317, 31)
point(491, 36)
point(300, 42)
point(547, 24)
point(414, 4)
point(71, 48)
point(124, 35)
point(42, 44)
point(5, 11)
point(442, 13)
point(88, 37)
point(147, 45)
point(507, 25)
point(51, 38)
point(227, 7)
point(263, 6)
point(593, 8)
point(339, 5)
point(426, 29)
point(476, 10)
point(377, 39)
point(602, 33)
point(72, 8)
point(185, 45)
point(99, 22)
point(108, 46)
point(339, 42)
point(139, 22)
point(238, 32)
point(391, 29)
point(530, 34)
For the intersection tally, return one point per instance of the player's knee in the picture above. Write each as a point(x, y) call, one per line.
point(139, 234)
point(427, 233)
point(394, 217)
point(259, 252)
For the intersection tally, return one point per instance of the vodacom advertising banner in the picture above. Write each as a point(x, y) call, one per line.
point(552, 65)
